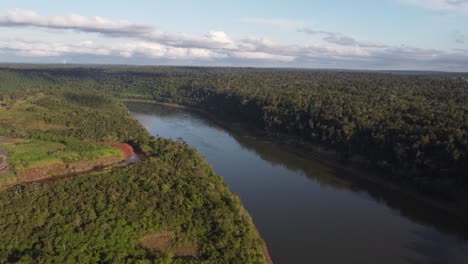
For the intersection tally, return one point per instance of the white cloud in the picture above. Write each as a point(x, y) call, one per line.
point(28, 48)
point(120, 41)
point(155, 50)
point(21, 17)
point(221, 38)
point(261, 55)
point(111, 28)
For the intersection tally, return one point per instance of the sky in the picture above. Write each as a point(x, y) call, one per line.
point(344, 34)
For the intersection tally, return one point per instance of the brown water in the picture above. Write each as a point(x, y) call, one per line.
point(309, 212)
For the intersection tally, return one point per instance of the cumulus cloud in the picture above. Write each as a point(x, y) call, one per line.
point(155, 50)
point(440, 5)
point(261, 55)
point(111, 28)
point(121, 41)
point(21, 17)
point(28, 48)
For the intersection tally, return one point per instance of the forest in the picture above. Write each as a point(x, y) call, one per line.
point(169, 207)
point(411, 125)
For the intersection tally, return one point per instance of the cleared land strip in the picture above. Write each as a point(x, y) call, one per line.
point(32, 161)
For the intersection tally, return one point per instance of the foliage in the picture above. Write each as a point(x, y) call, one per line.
point(23, 155)
point(414, 125)
point(52, 116)
point(101, 217)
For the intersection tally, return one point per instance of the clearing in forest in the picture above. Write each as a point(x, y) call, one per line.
point(33, 160)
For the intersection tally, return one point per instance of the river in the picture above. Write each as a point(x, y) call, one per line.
point(309, 212)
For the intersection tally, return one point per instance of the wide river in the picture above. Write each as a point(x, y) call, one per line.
point(308, 212)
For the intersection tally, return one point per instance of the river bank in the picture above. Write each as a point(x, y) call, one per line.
point(356, 167)
point(306, 210)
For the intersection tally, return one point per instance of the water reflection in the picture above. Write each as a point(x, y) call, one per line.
point(309, 212)
point(340, 178)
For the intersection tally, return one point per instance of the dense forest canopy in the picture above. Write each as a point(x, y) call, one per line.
point(166, 208)
point(414, 125)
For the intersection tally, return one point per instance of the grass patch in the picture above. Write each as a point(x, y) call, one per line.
point(23, 114)
point(35, 153)
point(164, 243)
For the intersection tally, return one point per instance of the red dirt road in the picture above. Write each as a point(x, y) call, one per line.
point(126, 148)
point(54, 170)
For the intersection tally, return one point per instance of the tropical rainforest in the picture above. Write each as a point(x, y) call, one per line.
point(168, 207)
point(413, 126)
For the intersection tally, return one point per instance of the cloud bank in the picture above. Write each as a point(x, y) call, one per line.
point(124, 41)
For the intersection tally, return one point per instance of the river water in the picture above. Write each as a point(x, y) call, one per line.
point(308, 212)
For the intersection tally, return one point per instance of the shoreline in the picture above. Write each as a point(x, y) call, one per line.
point(265, 251)
point(327, 156)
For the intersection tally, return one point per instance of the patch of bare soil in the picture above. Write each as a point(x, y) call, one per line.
point(126, 149)
point(164, 242)
point(61, 170)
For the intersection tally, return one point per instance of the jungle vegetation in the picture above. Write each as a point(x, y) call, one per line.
point(33, 153)
point(166, 208)
point(411, 125)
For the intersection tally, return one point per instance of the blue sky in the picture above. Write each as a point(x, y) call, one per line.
point(379, 34)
